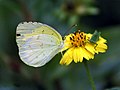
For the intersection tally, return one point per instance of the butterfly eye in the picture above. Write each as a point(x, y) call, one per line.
point(18, 35)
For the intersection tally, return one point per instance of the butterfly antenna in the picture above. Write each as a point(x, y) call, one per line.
point(68, 30)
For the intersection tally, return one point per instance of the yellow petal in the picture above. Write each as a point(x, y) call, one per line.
point(90, 47)
point(66, 46)
point(101, 48)
point(80, 55)
point(89, 35)
point(86, 54)
point(101, 40)
point(77, 56)
point(67, 42)
point(67, 57)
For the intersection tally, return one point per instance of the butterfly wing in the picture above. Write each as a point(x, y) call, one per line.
point(39, 49)
point(38, 43)
point(27, 29)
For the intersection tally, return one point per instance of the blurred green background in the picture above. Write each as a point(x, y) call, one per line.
point(89, 15)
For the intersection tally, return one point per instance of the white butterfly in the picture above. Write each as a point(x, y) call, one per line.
point(38, 43)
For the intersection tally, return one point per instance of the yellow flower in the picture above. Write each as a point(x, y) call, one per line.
point(78, 46)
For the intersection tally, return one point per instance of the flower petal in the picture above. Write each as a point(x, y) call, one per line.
point(80, 55)
point(101, 48)
point(90, 47)
point(86, 54)
point(101, 40)
point(66, 46)
point(89, 35)
point(67, 57)
point(77, 56)
point(67, 43)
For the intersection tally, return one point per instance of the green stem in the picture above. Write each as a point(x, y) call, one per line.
point(89, 75)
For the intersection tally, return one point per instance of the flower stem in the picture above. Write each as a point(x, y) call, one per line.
point(89, 75)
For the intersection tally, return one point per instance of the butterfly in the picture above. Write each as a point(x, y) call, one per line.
point(37, 43)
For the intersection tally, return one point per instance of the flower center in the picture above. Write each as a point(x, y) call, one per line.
point(78, 39)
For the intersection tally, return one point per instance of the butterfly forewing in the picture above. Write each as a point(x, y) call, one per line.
point(28, 29)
